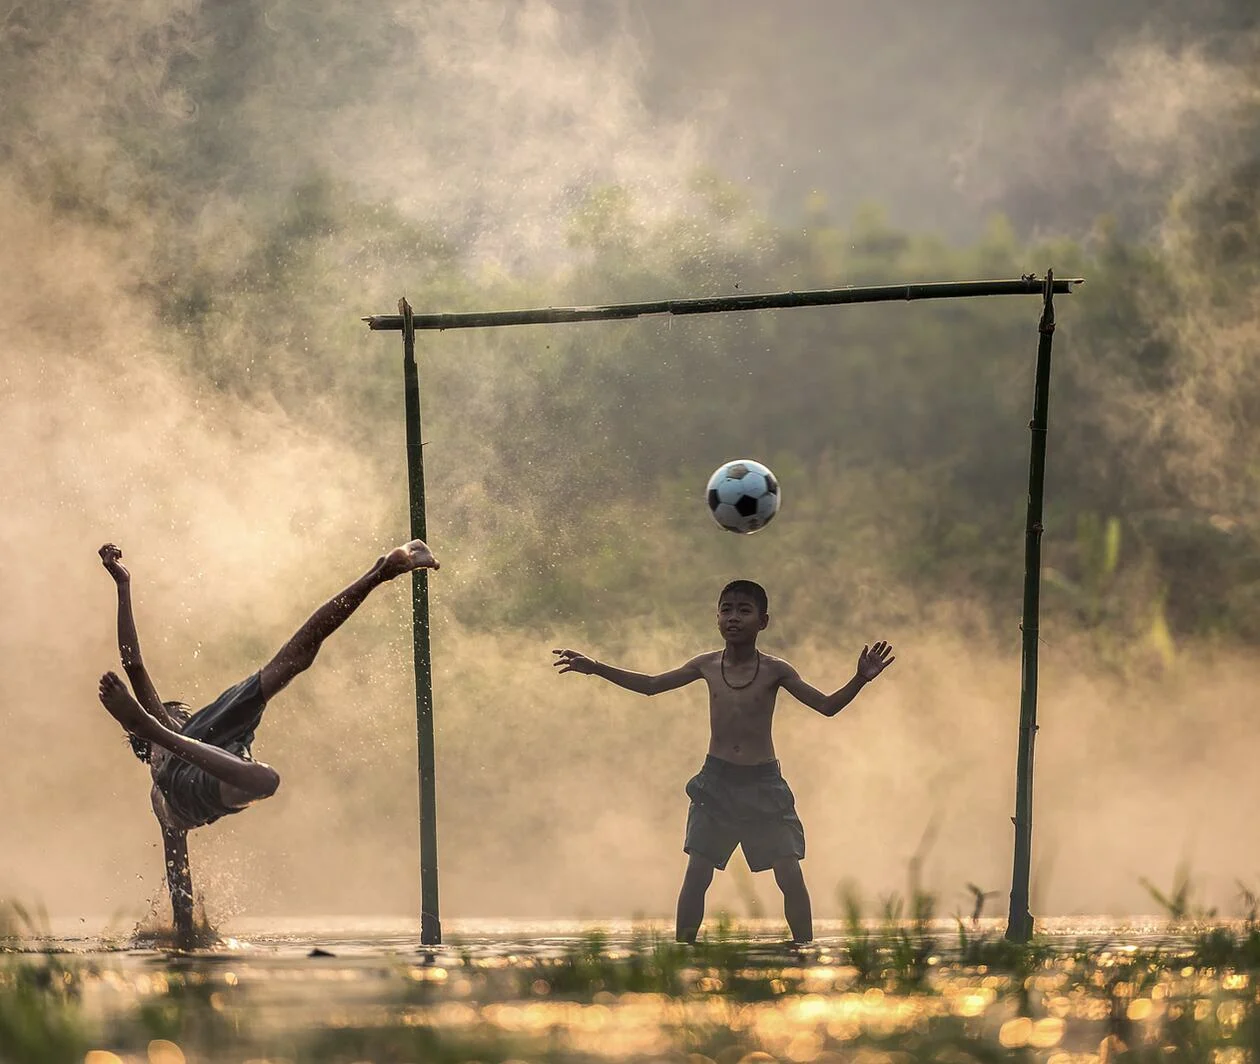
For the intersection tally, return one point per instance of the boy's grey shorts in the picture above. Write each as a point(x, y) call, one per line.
point(229, 723)
point(742, 805)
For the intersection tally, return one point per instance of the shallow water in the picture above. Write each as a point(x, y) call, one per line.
point(366, 937)
point(358, 989)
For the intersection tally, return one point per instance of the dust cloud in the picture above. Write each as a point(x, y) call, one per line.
point(141, 139)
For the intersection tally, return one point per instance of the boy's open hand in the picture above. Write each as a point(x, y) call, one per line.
point(111, 558)
point(572, 661)
point(874, 660)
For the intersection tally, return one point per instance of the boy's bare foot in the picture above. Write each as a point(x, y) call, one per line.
point(123, 708)
point(413, 555)
point(111, 558)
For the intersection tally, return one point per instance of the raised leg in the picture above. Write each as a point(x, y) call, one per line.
point(796, 907)
point(244, 781)
point(695, 885)
point(298, 654)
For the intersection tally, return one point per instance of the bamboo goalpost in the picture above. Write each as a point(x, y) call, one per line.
point(1020, 921)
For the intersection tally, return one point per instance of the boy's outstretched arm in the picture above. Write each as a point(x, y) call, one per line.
point(871, 662)
point(639, 682)
point(128, 640)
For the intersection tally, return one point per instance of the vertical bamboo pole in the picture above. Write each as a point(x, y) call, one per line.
point(430, 924)
point(1019, 926)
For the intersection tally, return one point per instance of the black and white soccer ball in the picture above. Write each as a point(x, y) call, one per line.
point(743, 496)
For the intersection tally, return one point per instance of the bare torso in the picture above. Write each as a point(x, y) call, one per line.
point(166, 817)
point(741, 705)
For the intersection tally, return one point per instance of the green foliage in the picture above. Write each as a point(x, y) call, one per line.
point(569, 459)
point(720, 962)
point(40, 1021)
point(890, 985)
point(900, 438)
point(902, 949)
point(1179, 903)
point(40, 1017)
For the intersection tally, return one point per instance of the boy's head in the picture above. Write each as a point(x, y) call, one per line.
point(743, 610)
point(180, 713)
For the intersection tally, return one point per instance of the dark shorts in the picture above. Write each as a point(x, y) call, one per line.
point(742, 805)
point(229, 722)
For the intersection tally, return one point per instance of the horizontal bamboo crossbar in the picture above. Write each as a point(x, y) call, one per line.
point(1028, 285)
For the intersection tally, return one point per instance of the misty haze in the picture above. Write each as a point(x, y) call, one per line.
point(199, 201)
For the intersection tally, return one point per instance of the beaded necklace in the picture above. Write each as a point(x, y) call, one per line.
point(740, 687)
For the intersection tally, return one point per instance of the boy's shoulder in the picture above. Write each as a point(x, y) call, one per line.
point(778, 665)
point(712, 659)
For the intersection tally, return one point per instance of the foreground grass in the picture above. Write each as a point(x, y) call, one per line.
point(888, 994)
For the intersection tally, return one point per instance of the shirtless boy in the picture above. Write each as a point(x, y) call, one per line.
point(201, 764)
point(739, 797)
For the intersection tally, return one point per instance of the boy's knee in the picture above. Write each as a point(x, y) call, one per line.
point(280, 671)
point(787, 873)
point(301, 660)
point(699, 871)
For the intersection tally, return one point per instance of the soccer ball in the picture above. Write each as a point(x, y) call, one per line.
point(743, 496)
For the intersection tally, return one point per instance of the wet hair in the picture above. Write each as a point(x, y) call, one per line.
point(753, 590)
point(180, 712)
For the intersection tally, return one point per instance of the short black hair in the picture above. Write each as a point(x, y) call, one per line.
point(142, 748)
point(750, 588)
point(181, 712)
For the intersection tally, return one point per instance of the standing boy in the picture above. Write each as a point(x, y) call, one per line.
point(201, 764)
point(739, 797)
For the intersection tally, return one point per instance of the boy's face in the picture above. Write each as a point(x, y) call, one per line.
point(739, 619)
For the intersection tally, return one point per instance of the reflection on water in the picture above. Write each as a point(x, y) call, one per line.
point(367, 936)
point(363, 990)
